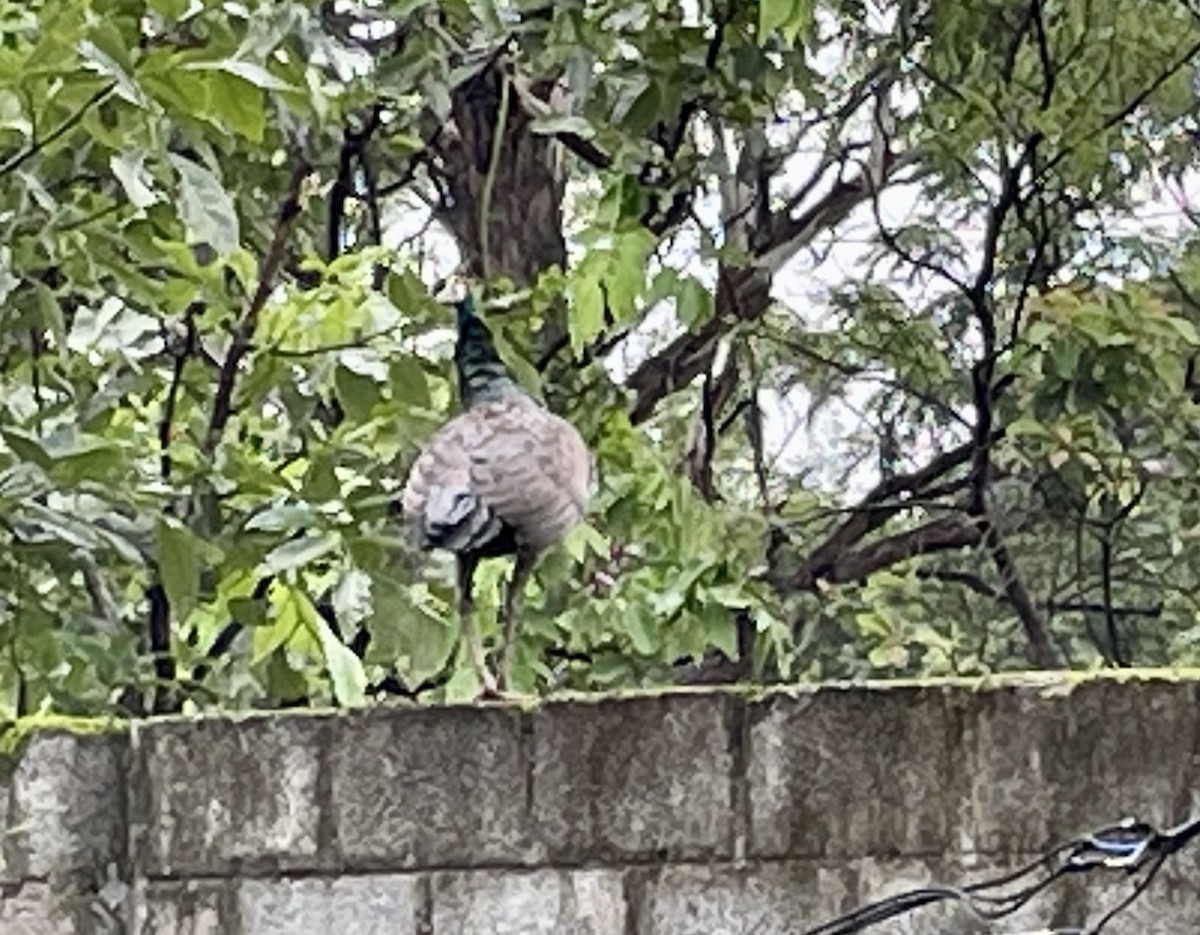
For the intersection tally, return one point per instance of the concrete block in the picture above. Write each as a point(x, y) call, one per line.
point(370, 905)
point(721, 899)
point(62, 809)
point(1047, 763)
point(638, 778)
point(879, 879)
point(430, 788)
point(786, 897)
point(542, 902)
point(851, 773)
point(1168, 907)
point(188, 907)
point(32, 909)
point(215, 796)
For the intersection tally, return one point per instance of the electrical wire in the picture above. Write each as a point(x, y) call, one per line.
point(1134, 847)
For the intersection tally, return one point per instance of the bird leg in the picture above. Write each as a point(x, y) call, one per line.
point(513, 594)
point(466, 615)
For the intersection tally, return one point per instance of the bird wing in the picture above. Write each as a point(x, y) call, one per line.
point(508, 460)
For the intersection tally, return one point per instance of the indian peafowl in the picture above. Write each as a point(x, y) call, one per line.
point(504, 477)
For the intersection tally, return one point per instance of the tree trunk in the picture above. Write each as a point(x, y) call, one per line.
point(524, 224)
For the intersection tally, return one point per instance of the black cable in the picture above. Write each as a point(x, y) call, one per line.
point(1134, 847)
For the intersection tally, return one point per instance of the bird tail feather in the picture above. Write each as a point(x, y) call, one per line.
point(459, 521)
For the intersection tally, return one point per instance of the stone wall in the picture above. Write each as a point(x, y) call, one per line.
point(686, 813)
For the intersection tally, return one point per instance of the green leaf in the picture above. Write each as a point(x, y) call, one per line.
point(645, 110)
point(727, 595)
point(170, 9)
point(178, 565)
point(298, 553)
point(320, 480)
point(789, 17)
point(345, 669)
point(1027, 427)
point(587, 314)
point(267, 639)
point(352, 597)
point(694, 303)
point(129, 168)
point(239, 104)
point(1186, 330)
point(248, 611)
point(356, 393)
point(625, 277)
point(584, 538)
point(205, 207)
point(51, 317)
point(12, 114)
point(249, 72)
point(409, 382)
point(105, 62)
point(286, 517)
point(405, 290)
point(637, 627)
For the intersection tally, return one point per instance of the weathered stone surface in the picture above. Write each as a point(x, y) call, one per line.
point(371, 905)
point(214, 796)
point(430, 788)
point(720, 899)
point(1044, 764)
point(643, 778)
point(849, 773)
point(277, 824)
point(32, 910)
point(1169, 907)
point(543, 902)
point(786, 897)
point(62, 809)
point(205, 907)
point(387, 904)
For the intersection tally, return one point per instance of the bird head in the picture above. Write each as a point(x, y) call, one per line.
point(453, 289)
point(481, 372)
point(456, 289)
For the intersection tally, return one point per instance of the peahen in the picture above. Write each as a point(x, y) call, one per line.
point(504, 477)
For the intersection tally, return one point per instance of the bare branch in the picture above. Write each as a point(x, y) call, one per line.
point(871, 513)
point(1039, 647)
point(940, 535)
point(244, 330)
point(181, 347)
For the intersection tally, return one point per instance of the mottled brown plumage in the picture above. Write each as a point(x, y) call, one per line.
point(504, 477)
point(529, 468)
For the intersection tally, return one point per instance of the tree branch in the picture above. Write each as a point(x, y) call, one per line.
point(940, 535)
point(743, 293)
point(869, 514)
point(243, 335)
point(1039, 647)
point(180, 348)
point(36, 146)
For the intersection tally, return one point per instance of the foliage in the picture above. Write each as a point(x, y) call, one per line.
point(218, 351)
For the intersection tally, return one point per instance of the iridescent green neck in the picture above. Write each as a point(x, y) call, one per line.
point(482, 375)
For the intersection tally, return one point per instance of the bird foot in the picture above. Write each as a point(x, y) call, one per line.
point(492, 693)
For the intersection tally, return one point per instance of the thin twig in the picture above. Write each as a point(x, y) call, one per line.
point(181, 356)
point(244, 331)
point(489, 182)
point(36, 146)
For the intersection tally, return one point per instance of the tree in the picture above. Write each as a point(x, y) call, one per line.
point(219, 352)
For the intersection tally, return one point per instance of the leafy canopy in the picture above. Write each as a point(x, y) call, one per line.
point(887, 362)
